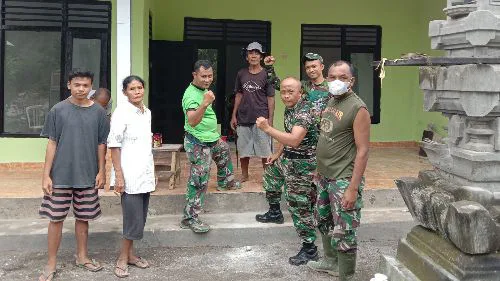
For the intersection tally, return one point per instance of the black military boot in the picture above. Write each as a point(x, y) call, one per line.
point(308, 252)
point(273, 215)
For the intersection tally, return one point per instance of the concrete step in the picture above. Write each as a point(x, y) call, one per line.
point(231, 229)
point(218, 202)
point(395, 270)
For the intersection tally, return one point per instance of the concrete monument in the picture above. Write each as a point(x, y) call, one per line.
point(458, 203)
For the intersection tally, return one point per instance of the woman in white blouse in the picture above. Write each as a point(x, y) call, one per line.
point(133, 176)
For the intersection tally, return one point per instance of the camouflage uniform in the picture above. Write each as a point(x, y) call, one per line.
point(315, 92)
point(318, 95)
point(338, 223)
point(200, 155)
point(294, 170)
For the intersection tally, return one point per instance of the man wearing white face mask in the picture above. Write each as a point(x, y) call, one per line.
point(342, 155)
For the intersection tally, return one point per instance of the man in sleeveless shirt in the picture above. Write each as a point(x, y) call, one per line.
point(342, 155)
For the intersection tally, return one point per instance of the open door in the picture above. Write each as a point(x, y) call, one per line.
point(170, 74)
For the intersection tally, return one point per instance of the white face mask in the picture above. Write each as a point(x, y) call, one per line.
point(338, 87)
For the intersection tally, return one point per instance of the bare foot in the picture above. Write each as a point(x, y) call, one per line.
point(244, 178)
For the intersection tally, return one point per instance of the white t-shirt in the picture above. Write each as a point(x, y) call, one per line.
point(131, 131)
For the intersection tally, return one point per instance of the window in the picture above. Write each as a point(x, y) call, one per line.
point(31, 59)
point(228, 31)
point(37, 40)
point(360, 45)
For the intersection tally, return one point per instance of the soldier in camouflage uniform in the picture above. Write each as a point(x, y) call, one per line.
point(342, 155)
point(202, 144)
point(315, 89)
point(293, 167)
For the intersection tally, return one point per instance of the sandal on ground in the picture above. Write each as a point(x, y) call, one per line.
point(47, 275)
point(92, 266)
point(140, 263)
point(121, 271)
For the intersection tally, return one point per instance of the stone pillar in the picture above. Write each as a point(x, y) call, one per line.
point(458, 203)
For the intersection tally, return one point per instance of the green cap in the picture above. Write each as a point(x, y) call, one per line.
point(311, 56)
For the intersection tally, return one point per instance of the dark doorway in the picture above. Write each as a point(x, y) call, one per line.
point(214, 54)
point(87, 50)
point(227, 61)
point(222, 41)
point(170, 73)
point(235, 59)
point(219, 41)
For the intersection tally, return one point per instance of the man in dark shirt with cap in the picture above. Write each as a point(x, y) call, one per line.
point(254, 98)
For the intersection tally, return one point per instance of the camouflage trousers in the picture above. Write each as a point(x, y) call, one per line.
point(200, 156)
point(332, 219)
point(295, 176)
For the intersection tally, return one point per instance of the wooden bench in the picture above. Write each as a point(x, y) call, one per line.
point(168, 163)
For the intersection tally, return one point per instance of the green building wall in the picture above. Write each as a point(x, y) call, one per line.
point(404, 29)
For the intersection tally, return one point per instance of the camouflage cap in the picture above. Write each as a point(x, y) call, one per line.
point(311, 56)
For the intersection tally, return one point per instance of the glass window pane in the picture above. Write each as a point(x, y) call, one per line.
point(87, 56)
point(362, 63)
point(32, 63)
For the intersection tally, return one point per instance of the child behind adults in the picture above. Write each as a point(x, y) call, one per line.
point(133, 176)
point(77, 129)
point(103, 97)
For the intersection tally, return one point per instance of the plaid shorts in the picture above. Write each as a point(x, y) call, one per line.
point(85, 201)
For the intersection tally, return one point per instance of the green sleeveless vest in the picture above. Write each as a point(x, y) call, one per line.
point(336, 150)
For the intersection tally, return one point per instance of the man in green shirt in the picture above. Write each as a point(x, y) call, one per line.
point(342, 155)
point(202, 144)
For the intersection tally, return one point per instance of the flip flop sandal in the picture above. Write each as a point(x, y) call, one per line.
point(92, 266)
point(47, 276)
point(140, 263)
point(121, 272)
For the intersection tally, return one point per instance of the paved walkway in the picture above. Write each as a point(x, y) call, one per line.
point(384, 165)
point(229, 252)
